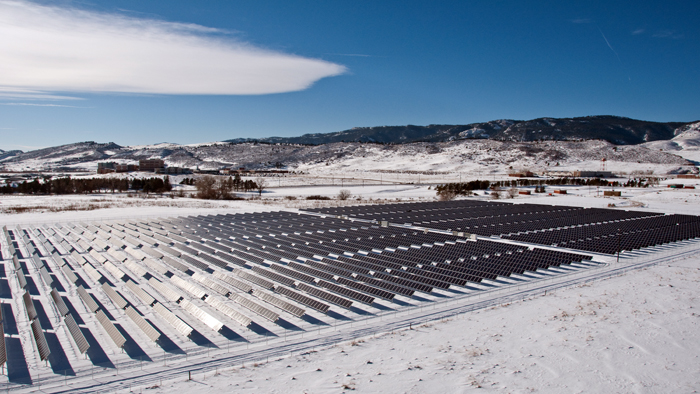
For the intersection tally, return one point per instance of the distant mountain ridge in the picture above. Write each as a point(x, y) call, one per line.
point(614, 129)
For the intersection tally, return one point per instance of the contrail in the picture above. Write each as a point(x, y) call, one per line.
point(609, 46)
point(612, 49)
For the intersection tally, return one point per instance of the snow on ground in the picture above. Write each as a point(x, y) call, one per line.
point(636, 333)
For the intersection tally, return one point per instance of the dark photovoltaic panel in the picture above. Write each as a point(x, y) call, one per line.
point(177, 323)
point(87, 299)
point(255, 279)
point(141, 293)
point(346, 292)
point(118, 300)
point(233, 282)
point(29, 306)
point(60, 305)
point(111, 330)
point(76, 334)
point(302, 299)
point(284, 305)
point(147, 329)
point(324, 295)
point(40, 341)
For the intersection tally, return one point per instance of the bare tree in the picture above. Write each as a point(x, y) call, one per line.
point(446, 195)
point(260, 185)
point(205, 187)
point(512, 192)
point(344, 194)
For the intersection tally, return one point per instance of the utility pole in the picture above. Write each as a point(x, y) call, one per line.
point(619, 243)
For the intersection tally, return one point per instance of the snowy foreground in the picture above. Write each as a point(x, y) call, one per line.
point(639, 332)
point(635, 331)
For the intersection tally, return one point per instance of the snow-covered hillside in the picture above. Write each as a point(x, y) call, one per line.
point(479, 156)
point(686, 143)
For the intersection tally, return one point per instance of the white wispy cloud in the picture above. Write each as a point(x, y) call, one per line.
point(43, 105)
point(47, 51)
point(638, 31)
point(668, 34)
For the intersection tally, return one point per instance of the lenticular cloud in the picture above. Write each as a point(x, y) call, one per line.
point(50, 49)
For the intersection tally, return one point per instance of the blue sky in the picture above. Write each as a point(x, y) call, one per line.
point(136, 72)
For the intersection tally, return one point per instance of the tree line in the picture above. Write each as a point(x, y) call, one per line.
point(70, 185)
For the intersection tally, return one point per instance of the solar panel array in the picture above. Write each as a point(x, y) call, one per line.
point(148, 278)
point(588, 229)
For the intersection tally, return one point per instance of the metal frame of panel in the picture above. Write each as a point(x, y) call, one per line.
point(76, 334)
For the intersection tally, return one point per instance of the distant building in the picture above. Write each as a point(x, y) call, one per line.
point(126, 167)
point(151, 165)
point(106, 167)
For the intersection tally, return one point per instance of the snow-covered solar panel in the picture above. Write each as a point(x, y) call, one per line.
point(228, 311)
point(16, 264)
point(118, 254)
point(112, 331)
point(21, 279)
point(161, 238)
point(302, 299)
point(165, 291)
point(92, 272)
point(78, 258)
point(175, 264)
point(69, 273)
point(169, 250)
point(29, 306)
point(233, 282)
point(40, 341)
point(255, 279)
point(188, 287)
point(147, 329)
point(141, 293)
point(62, 308)
point(284, 305)
point(177, 323)
point(100, 243)
point(256, 308)
point(88, 300)
point(152, 252)
point(84, 245)
point(156, 266)
point(76, 334)
point(118, 300)
point(203, 316)
point(137, 253)
point(114, 270)
point(135, 268)
point(210, 284)
point(98, 256)
point(37, 262)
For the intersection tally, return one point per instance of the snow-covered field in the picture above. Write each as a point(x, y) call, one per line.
point(635, 332)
